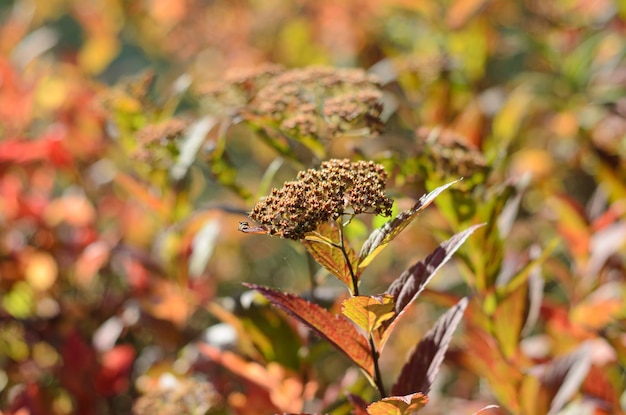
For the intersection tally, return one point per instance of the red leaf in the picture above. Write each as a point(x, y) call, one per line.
point(113, 377)
point(336, 329)
point(420, 370)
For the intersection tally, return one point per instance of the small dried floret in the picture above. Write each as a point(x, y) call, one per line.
point(318, 196)
point(182, 396)
point(451, 153)
point(161, 133)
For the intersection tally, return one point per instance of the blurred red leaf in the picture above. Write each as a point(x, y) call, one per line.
point(336, 329)
point(113, 376)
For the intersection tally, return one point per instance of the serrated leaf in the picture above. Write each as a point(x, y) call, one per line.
point(380, 237)
point(418, 373)
point(398, 405)
point(408, 286)
point(336, 329)
point(368, 312)
point(332, 257)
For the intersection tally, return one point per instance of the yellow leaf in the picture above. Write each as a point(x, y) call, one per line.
point(98, 52)
point(41, 271)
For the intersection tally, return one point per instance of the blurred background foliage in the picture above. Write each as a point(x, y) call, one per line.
point(132, 145)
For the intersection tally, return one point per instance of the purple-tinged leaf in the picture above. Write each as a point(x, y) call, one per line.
point(359, 406)
point(408, 286)
point(422, 366)
point(398, 405)
point(380, 237)
point(566, 375)
point(336, 329)
point(368, 312)
point(319, 245)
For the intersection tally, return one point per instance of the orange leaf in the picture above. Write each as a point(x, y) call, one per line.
point(398, 405)
point(336, 329)
point(332, 257)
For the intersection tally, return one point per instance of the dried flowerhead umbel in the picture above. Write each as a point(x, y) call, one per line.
point(338, 187)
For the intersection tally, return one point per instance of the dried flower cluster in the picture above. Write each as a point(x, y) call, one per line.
point(321, 102)
point(154, 140)
point(450, 154)
point(315, 102)
point(317, 196)
point(239, 86)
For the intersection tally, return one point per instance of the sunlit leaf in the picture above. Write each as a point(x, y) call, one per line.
point(508, 320)
point(324, 247)
point(368, 312)
point(336, 329)
point(601, 307)
point(408, 286)
point(398, 405)
point(418, 373)
point(285, 390)
point(481, 355)
point(380, 237)
point(141, 192)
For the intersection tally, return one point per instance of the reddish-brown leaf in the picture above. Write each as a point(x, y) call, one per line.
point(380, 237)
point(565, 375)
point(398, 405)
point(336, 329)
point(420, 370)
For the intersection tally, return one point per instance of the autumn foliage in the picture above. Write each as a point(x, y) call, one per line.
point(356, 207)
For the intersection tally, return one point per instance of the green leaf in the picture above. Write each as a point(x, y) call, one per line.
point(325, 247)
point(418, 373)
point(398, 405)
point(336, 329)
point(508, 321)
point(380, 237)
point(368, 312)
